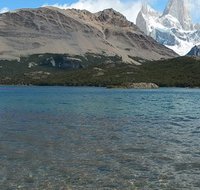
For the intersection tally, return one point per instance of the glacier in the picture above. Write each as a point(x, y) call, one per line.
point(173, 28)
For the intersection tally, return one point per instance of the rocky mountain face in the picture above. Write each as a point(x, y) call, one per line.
point(179, 10)
point(172, 28)
point(195, 51)
point(75, 32)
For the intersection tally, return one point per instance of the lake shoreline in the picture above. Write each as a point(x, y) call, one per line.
point(95, 86)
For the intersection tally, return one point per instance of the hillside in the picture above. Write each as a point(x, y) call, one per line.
point(74, 32)
point(99, 71)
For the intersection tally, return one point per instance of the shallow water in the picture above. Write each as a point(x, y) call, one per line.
point(95, 138)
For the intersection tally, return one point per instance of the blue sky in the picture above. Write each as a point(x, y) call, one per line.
point(129, 8)
point(15, 4)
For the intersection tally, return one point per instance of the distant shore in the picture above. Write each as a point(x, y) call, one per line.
point(183, 72)
point(135, 86)
point(123, 86)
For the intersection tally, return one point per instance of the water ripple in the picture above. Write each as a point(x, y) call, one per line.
point(96, 138)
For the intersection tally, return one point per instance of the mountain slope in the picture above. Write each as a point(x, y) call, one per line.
point(37, 70)
point(179, 10)
point(195, 51)
point(75, 32)
point(172, 28)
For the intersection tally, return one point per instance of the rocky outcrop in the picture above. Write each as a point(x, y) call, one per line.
point(37, 75)
point(142, 20)
point(195, 51)
point(179, 9)
point(136, 86)
point(75, 32)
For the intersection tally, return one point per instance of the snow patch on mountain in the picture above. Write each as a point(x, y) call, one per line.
point(172, 28)
point(179, 10)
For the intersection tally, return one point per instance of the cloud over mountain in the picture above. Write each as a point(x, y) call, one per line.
point(128, 8)
point(3, 10)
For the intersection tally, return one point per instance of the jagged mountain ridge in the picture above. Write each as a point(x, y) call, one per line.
point(195, 51)
point(172, 28)
point(179, 10)
point(75, 32)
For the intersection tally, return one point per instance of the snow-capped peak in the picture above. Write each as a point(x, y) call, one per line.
point(172, 28)
point(148, 10)
point(179, 10)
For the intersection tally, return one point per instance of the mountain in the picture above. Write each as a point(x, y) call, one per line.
point(172, 28)
point(75, 32)
point(195, 51)
point(179, 10)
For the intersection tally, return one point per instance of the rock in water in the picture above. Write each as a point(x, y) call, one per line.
point(141, 85)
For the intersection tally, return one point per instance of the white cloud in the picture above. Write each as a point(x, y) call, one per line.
point(128, 8)
point(3, 10)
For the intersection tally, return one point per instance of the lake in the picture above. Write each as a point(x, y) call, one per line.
point(59, 138)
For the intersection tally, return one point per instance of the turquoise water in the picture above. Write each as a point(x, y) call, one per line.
point(94, 138)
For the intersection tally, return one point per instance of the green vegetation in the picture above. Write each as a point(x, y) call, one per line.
point(177, 72)
point(98, 70)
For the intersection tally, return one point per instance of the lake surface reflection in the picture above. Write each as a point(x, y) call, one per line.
point(94, 138)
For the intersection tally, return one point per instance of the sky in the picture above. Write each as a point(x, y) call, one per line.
point(129, 8)
point(15, 4)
